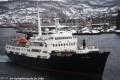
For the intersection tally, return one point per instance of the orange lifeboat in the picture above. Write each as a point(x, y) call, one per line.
point(22, 41)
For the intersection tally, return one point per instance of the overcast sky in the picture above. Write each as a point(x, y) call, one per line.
point(3, 0)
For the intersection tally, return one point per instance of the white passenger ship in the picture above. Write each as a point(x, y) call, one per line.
point(57, 52)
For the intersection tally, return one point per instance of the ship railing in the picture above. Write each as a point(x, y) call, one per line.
point(13, 42)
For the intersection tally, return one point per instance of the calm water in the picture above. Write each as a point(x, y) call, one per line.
point(108, 42)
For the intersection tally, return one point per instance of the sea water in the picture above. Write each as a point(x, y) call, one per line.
point(106, 42)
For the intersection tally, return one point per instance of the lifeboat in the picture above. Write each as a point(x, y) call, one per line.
point(22, 41)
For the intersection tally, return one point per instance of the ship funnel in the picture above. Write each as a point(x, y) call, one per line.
point(84, 44)
point(57, 23)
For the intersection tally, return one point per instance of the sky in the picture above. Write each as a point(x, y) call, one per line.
point(3, 0)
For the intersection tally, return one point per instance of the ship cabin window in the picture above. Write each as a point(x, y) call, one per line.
point(51, 38)
point(58, 38)
point(45, 45)
point(44, 51)
point(66, 44)
point(74, 43)
point(58, 44)
point(17, 48)
point(41, 44)
point(13, 48)
point(53, 45)
point(36, 44)
point(35, 50)
point(28, 50)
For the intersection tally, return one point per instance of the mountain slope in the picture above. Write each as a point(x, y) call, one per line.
point(68, 8)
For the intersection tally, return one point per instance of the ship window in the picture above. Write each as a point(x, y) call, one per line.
point(13, 48)
point(56, 38)
point(73, 43)
point(58, 44)
point(53, 45)
point(28, 50)
point(41, 44)
point(17, 48)
point(51, 38)
point(69, 44)
point(44, 51)
point(35, 50)
point(61, 44)
point(46, 45)
point(66, 44)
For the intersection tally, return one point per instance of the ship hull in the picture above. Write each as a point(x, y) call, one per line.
point(91, 63)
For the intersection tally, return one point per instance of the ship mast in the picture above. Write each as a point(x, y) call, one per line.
point(39, 24)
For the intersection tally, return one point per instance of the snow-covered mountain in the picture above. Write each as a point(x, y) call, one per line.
point(69, 8)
